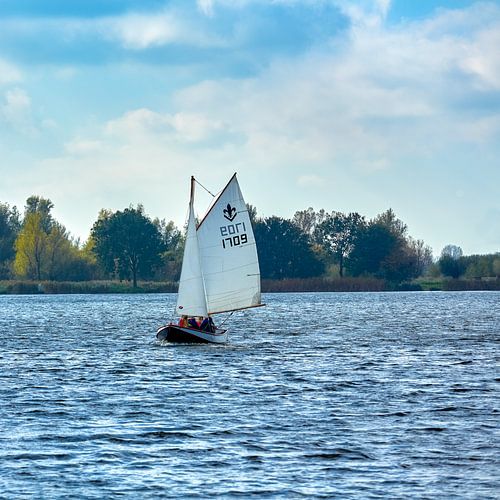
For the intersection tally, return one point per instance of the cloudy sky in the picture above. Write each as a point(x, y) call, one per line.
point(342, 105)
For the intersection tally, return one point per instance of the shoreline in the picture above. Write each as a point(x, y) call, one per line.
point(23, 287)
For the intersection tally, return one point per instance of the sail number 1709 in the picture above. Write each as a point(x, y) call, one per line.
point(233, 235)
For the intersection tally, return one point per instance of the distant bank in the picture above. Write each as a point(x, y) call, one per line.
point(16, 287)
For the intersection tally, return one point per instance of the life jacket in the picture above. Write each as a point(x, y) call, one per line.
point(193, 323)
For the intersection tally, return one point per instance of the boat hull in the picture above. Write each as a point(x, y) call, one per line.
point(181, 335)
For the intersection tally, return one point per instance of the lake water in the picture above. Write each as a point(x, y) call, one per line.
point(362, 395)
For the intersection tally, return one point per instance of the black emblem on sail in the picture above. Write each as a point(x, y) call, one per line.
point(230, 212)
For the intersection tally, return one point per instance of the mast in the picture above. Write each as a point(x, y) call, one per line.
point(191, 196)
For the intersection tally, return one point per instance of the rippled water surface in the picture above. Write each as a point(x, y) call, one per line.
point(316, 395)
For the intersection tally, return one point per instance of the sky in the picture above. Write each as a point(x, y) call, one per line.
point(352, 106)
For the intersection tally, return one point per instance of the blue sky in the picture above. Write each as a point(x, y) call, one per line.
point(335, 104)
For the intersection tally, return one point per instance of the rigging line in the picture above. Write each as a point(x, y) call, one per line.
point(227, 317)
point(209, 192)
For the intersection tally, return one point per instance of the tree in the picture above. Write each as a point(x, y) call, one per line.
point(399, 265)
point(31, 248)
point(171, 236)
point(374, 243)
point(66, 261)
point(57, 249)
point(284, 250)
point(128, 243)
point(307, 220)
point(383, 250)
point(41, 206)
point(453, 251)
point(45, 249)
point(337, 233)
point(252, 213)
point(496, 267)
point(423, 256)
point(173, 244)
point(10, 226)
point(451, 262)
point(389, 220)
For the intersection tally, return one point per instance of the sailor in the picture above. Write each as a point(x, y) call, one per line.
point(183, 321)
point(193, 323)
point(208, 325)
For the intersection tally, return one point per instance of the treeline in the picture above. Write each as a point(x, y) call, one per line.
point(124, 245)
point(127, 245)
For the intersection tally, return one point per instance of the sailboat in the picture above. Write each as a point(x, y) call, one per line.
point(220, 269)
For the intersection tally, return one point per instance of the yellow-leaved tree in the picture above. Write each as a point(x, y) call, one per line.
point(31, 248)
point(45, 249)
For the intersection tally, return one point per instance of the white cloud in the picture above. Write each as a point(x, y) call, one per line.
point(482, 59)
point(135, 31)
point(375, 104)
point(206, 6)
point(83, 147)
point(9, 73)
point(180, 127)
point(385, 94)
point(142, 31)
point(194, 127)
point(138, 123)
point(16, 111)
point(365, 13)
point(389, 95)
point(389, 90)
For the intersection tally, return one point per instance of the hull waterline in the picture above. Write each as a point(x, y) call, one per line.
point(177, 334)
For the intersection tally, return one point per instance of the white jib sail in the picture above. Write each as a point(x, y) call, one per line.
point(229, 261)
point(191, 296)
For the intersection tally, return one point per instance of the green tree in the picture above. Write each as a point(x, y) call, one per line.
point(42, 206)
point(91, 267)
point(337, 233)
point(374, 243)
point(252, 213)
point(66, 261)
point(389, 220)
point(10, 226)
point(307, 220)
point(128, 243)
point(451, 262)
point(173, 244)
point(284, 250)
point(453, 251)
point(384, 250)
point(477, 266)
point(496, 267)
point(423, 256)
point(58, 250)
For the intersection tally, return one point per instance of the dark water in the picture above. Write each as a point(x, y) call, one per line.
point(316, 395)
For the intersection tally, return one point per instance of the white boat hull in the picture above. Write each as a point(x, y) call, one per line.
point(178, 334)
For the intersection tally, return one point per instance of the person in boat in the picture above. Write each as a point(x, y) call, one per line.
point(193, 323)
point(183, 321)
point(207, 325)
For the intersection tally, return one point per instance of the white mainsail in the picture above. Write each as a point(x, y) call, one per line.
point(220, 269)
point(191, 299)
point(228, 253)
